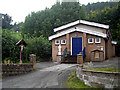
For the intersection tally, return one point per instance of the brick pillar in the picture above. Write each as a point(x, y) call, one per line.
point(79, 59)
point(33, 60)
point(84, 40)
point(68, 41)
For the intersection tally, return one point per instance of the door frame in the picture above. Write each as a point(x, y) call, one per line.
point(72, 41)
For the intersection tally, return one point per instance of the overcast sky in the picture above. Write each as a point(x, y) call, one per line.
point(19, 9)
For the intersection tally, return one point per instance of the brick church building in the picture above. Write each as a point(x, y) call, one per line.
point(93, 38)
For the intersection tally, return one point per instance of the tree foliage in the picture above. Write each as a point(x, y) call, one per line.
point(43, 22)
point(99, 6)
point(36, 45)
point(110, 16)
point(6, 22)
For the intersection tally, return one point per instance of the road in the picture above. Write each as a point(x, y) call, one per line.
point(49, 75)
point(53, 76)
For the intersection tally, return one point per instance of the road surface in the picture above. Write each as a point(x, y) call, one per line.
point(51, 77)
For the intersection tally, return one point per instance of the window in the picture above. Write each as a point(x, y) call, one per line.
point(97, 40)
point(63, 41)
point(90, 40)
point(57, 42)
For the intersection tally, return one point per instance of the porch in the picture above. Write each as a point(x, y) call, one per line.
point(71, 59)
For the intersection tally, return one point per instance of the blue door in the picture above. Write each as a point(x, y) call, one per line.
point(76, 45)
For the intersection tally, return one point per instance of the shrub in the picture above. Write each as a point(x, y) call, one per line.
point(36, 45)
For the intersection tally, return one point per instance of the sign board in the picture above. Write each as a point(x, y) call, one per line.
point(96, 55)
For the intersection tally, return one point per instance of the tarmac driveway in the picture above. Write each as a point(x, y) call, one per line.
point(42, 65)
point(112, 62)
point(52, 76)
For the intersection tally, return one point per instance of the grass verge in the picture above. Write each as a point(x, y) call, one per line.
point(1, 77)
point(74, 82)
point(109, 69)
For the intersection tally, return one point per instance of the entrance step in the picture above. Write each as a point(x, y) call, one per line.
point(70, 59)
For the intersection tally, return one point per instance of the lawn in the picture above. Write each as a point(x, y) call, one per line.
point(108, 69)
point(74, 82)
point(0, 76)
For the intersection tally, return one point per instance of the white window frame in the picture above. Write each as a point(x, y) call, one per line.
point(57, 43)
point(62, 42)
point(92, 40)
point(99, 40)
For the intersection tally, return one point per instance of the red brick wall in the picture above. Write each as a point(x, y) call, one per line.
point(113, 48)
point(55, 47)
point(89, 47)
point(93, 46)
point(101, 56)
point(109, 47)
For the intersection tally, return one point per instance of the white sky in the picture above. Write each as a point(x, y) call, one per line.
point(19, 9)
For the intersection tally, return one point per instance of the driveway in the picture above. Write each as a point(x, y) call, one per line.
point(113, 62)
point(42, 65)
point(52, 76)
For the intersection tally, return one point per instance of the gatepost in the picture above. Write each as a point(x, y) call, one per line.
point(33, 60)
point(80, 59)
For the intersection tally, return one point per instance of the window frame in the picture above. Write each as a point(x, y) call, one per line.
point(99, 40)
point(92, 40)
point(57, 43)
point(62, 42)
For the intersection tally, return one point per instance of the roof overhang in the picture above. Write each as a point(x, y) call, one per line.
point(82, 22)
point(21, 42)
point(79, 30)
point(114, 42)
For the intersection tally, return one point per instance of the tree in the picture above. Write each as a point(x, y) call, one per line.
point(6, 22)
point(43, 22)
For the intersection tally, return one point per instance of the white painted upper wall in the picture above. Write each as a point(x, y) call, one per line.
point(88, 27)
point(88, 30)
point(82, 22)
point(96, 29)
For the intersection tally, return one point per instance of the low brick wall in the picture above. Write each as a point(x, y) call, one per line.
point(15, 69)
point(98, 78)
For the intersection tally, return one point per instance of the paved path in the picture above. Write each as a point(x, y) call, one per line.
point(113, 62)
point(50, 77)
point(42, 65)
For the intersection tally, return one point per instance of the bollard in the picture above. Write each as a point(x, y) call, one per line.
point(33, 60)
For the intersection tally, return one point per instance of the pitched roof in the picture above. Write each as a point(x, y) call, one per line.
point(79, 30)
point(21, 42)
point(82, 22)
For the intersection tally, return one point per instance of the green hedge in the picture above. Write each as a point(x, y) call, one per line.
point(36, 45)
